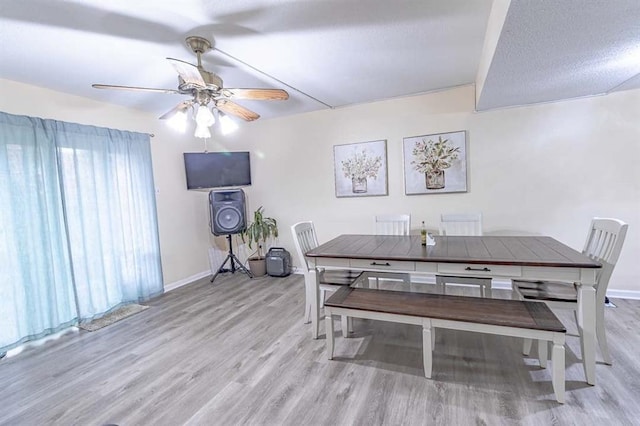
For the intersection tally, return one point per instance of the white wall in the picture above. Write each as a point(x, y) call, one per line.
point(544, 169)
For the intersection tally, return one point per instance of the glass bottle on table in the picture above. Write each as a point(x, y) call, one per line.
point(423, 234)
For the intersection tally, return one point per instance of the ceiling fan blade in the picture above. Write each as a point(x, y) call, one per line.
point(133, 88)
point(257, 94)
point(182, 106)
point(229, 107)
point(189, 73)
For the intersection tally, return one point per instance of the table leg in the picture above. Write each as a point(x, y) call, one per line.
point(345, 325)
point(440, 284)
point(587, 329)
point(542, 353)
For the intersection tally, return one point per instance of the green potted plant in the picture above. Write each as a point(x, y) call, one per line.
point(258, 231)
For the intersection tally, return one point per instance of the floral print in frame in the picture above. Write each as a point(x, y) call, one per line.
point(361, 169)
point(435, 163)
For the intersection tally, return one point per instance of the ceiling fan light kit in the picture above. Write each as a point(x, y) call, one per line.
point(178, 121)
point(208, 94)
point(204, 116)
point(202, 132)
point(227, 125)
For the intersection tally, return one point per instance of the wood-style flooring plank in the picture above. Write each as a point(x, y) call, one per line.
point(237, 352)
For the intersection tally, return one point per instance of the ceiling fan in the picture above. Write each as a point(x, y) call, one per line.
point(207, 91)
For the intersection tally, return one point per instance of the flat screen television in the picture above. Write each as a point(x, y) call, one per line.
point(217, 169)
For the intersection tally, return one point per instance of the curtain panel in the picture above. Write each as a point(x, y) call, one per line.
point(79, 234)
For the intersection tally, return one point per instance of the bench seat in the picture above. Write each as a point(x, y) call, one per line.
point(494, 316)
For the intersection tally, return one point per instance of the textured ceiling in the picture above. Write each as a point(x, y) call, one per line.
point(550, 50)
point(325, 53)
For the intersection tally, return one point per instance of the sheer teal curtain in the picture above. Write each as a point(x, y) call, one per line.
point(36, 286)
point(79, 224)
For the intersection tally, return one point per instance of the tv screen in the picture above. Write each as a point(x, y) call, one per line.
point(217, 169)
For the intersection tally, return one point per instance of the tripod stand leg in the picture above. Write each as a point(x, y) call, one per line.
point(239, 265)
point(235, 263)
point(222, 268)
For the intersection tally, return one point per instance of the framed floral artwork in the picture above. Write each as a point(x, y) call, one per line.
point(360, 169)
point(435, 163)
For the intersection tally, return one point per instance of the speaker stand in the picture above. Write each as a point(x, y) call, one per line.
point(234, 263)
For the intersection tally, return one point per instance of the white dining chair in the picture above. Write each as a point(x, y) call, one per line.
point(463, 225)
point(329, 280)
point(391, 224)
point(604, 243)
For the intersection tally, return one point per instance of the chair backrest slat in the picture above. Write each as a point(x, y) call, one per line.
point(604, 244)
point(304, 239)
point(461, 224)
point(399, 224)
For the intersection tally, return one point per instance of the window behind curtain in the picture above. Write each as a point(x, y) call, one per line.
point(79, 226)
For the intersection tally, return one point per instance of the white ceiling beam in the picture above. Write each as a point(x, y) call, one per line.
point(497, 18)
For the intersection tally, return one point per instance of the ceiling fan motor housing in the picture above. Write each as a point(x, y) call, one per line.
point(213, 82)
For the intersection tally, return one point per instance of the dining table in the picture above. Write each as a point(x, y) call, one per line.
point(499, 257)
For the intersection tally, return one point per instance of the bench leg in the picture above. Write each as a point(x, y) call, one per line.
point(557, 364)
point(427, 348)
point(526, 346)
point(543, 347)
point(329, 323)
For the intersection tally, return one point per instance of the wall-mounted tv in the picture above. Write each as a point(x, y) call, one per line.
point(217, 169)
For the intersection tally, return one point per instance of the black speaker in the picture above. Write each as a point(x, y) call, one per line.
point(227, 210)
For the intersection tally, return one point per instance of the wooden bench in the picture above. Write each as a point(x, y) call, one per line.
point(494, 316)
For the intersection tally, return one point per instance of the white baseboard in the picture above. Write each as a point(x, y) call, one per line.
point(185, 281)
point(623, 294)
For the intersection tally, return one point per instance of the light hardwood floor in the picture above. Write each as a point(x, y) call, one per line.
point(237, 352)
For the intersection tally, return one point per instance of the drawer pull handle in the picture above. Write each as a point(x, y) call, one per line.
point(469, 268)
point(380, 264)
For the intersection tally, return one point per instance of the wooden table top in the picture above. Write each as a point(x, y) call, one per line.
point(495, 250)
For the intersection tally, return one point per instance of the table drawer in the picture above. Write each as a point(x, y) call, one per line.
point(329, 262)
point(383, 265)
point(480, 270)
